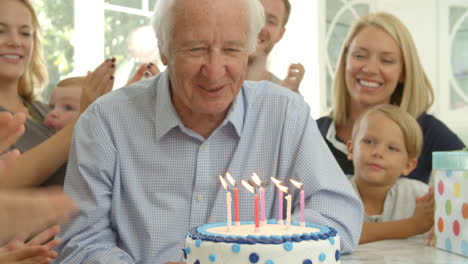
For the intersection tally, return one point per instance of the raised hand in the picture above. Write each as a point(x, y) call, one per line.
point(293, 79)
point(144, 71)
point(97, 83)
point(12, 128)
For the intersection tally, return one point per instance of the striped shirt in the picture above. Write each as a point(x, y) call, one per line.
point(142, 179)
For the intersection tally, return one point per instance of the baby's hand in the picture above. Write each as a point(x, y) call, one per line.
point(423, 215)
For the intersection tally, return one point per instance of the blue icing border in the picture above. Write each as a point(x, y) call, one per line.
point(201, 233)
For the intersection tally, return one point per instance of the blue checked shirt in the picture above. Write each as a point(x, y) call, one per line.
point(142, 179)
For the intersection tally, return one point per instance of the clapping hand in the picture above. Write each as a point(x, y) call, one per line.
point(293, 79)
point(97, 83)
point(144, 71)
point(38, 249)
point(12, 128)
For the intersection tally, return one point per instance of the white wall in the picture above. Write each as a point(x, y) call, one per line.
point(300, 44)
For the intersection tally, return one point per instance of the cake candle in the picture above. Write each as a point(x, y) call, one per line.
point(288, 210)
point(236, 199)
point(281, 189)
point(228, 203)
point(251, 189)
point(258, 182)
point(302, 200)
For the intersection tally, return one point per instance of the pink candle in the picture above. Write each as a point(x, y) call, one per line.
point(302, 200)
point(236, 206)
point(257, 223)
point(236, 199)
point(251, 189)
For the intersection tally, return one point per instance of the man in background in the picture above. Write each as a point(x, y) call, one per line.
point(277, 15)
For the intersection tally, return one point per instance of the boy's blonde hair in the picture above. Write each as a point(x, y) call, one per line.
point(414, 96)
point(35, 76)
point(78, 80)
point(412, 133)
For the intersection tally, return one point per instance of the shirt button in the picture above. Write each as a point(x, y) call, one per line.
point(204, 147)
point(199, 197)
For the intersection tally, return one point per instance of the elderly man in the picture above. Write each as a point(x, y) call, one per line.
point(145, 161)
point(277, 16)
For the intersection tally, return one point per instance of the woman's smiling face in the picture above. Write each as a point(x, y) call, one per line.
point(374, 66)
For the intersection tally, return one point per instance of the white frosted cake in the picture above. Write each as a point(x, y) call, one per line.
point(273, 244)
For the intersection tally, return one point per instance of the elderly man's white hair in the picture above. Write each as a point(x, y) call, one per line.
point(162, 22)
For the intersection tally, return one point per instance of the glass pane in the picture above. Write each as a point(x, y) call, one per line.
point(126, 3)
point(56, 18)
point(129, 52)
point(338, 32)
point(459, 56)
point(152, 4)
point(331, 8)
point(455, 15)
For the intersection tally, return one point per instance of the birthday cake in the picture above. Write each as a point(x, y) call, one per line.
point(272, 244)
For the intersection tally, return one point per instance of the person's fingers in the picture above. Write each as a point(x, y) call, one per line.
point(25, 255)
point(44, 236)
point(12, 129)
point(153, 69)
point(140, 73)
point(52, 244)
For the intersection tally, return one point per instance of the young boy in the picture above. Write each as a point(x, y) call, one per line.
point(64, 104)
point(385, 145)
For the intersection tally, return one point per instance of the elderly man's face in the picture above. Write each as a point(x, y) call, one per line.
point(207, 57)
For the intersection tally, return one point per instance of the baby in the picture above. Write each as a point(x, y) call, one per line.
point(64, 104)
point(385, 145)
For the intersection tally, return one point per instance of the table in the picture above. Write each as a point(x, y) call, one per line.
point(405, 251)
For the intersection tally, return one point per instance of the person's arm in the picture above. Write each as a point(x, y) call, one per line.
point(39, 163)
point(92, 169)
point(33, 210)
point(330, 198)
point(376, 231)
point(420, 222)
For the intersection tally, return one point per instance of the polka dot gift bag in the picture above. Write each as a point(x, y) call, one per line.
point(451, 201)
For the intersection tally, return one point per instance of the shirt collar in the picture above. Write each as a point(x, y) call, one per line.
point(166, 117)
point(165, 114)
point(331, 137)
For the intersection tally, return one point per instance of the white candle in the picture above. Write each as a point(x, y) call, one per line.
point(228, 203)
point(281, 189)
point(288, 210)
point(262, 207)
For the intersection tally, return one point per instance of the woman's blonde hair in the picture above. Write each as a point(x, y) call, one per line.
point(415, 95)
point(35, 75)
point(412, 133)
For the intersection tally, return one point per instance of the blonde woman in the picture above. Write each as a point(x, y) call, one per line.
point(22, 74)
point(379, 64)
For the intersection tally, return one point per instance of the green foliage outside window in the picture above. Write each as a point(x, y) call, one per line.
point(56, 19)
